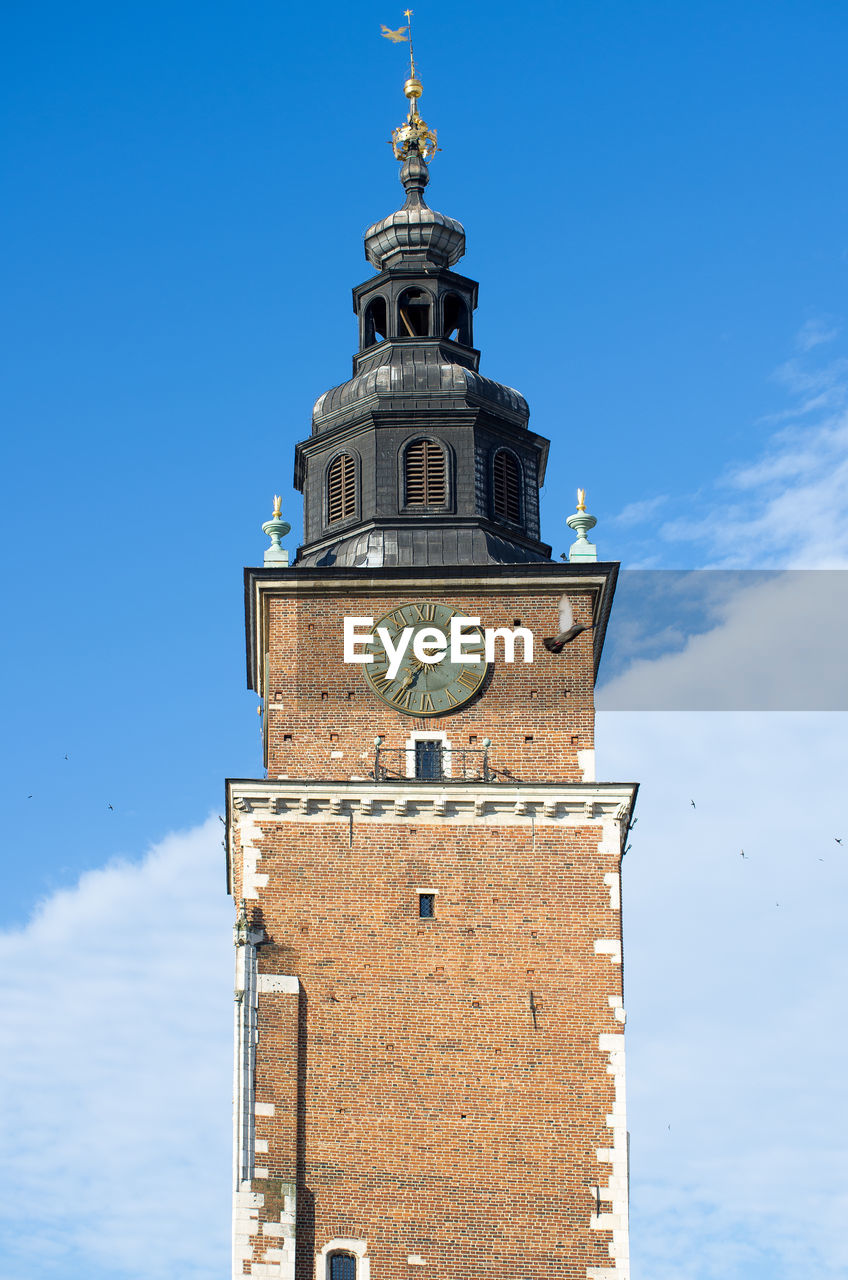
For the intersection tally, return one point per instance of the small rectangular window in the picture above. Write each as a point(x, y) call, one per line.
point(426, 905)
point(428, 759)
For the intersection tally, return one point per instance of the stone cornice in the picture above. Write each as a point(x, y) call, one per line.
point(551, 804)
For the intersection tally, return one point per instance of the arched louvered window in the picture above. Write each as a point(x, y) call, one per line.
point(425, 475)
point(341, 488)
point(506, 492)
point(342, 1266)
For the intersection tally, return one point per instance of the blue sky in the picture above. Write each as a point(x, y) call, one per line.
point(656, 205)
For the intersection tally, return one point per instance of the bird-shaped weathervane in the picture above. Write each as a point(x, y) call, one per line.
point(394, 36)
point(568, 628)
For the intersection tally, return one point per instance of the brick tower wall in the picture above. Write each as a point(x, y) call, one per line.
point(322, 718)
point(441, 1097)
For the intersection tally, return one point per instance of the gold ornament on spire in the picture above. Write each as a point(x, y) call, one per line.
point(416, 135)
point(581, 499)
point(278, 506)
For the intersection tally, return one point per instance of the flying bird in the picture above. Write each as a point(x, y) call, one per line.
point(838, 839)
point(111, 808)
point(67, 757)
point(692, 802)
point(568, 628)
point(394, 36)
point(742, 853)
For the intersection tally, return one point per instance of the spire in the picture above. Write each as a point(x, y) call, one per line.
point(417, 458)
point(414, 234)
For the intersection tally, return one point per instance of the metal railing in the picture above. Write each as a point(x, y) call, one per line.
point(428, 761)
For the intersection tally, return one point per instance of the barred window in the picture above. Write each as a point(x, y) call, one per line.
point(341, 488)
point(506, 496)
point(342, 1267)
point(425, 474)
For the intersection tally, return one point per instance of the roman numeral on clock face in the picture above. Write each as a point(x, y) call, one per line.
point(423, 612)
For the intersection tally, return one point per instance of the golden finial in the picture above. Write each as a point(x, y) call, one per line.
point(581, 499)
point(416, 135)
point(278, 506)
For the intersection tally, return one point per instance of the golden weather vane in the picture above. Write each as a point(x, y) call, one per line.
point(416, 134)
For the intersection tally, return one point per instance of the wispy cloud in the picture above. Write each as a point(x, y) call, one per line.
point(815, 332)
point(116, 1073)
point(788, 507)
point(636, 513)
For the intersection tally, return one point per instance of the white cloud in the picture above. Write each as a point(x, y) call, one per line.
point(773, 641)
point(814, 333)
point(116, 1075)
point(734, 1034)
point(635, 513)
point(789, 507)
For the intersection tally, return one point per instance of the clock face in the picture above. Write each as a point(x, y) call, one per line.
point(428, 688)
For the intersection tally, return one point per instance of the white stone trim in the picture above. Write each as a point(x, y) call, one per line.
point(609, 947)
point(586, 763)
point(246, 1206)
point(275, 983)
point(344, 1244)
point(503, 804)
point(427, 735)
point(616, 1190)
point(613, 883)
point(616, 1220)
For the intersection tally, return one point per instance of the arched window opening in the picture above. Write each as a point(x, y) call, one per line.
point(506, 496)
point(341, 488)
point(342, 1266)
point(375, 327)
point(414, 312)
point(425, 474)
point(456, 320)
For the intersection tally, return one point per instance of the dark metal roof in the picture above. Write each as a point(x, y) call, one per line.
point(409, 370)
point(421, 544)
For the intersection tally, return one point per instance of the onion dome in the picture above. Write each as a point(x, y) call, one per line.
point(415, 233)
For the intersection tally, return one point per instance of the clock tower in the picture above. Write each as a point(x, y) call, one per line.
point(429, 1064)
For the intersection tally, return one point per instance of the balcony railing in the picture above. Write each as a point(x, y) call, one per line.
point(429, 760)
